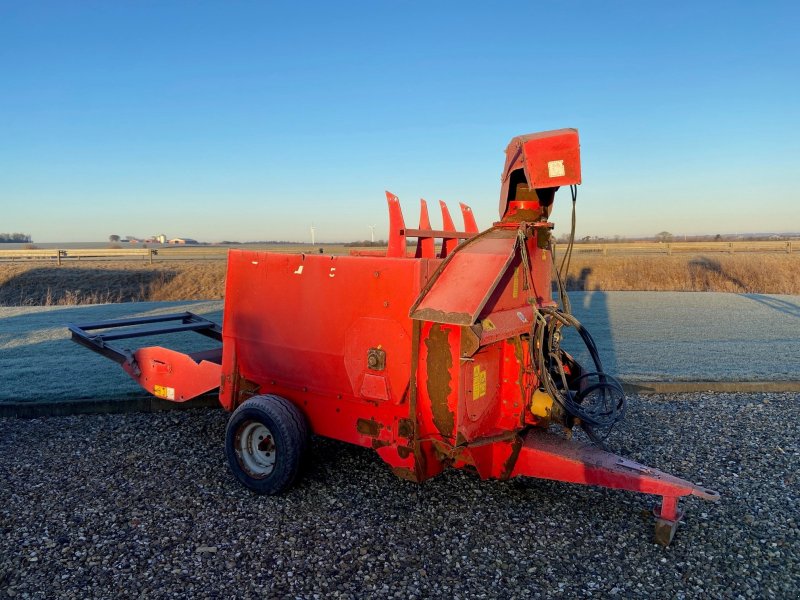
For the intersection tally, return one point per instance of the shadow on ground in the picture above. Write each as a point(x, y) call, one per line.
point(593, 312)
point(784, 306)
point(701, 269)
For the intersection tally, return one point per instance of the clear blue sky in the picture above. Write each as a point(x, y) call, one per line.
point(251, 120)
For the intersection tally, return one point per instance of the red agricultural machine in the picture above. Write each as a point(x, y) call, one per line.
point(436, 358)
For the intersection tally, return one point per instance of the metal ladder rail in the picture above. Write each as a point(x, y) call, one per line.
point(98, 342)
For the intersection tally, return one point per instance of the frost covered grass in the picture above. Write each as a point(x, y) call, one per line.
point(39, 362)
point(641, 337)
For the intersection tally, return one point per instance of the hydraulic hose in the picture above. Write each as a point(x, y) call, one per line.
point(594, 398)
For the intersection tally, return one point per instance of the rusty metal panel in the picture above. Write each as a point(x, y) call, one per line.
point(468, 279)
point(515, 292)
point(437, 381)
point(485, 277)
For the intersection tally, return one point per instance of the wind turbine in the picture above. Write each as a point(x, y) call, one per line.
point(372, 232)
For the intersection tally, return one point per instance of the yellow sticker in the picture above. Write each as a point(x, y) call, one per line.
point(488, 325)
point(515, 287)
point(165, 392)
point(478, 382)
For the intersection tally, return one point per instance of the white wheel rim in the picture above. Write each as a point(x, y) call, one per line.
point(255, 449)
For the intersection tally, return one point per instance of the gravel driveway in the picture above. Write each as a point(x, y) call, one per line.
point(142, 505)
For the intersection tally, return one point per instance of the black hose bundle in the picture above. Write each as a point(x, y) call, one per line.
point(595, 398)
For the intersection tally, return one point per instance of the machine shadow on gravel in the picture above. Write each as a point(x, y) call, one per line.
point(66, 286)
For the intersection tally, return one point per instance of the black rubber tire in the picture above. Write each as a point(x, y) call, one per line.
point(290, 434)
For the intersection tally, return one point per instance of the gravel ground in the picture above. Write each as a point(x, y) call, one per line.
point(143, 505)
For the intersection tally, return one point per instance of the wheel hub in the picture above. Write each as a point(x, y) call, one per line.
point(255, 449)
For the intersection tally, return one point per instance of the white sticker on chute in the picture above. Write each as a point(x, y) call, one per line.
point(299, 270)
point(555, 168)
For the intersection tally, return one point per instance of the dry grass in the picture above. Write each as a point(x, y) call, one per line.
point(200, 280)
point(740, 273)
point(93, 282)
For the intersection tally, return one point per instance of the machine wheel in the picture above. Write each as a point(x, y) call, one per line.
point(265, 441)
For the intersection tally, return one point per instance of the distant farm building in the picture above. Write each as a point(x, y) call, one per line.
point(183, 241)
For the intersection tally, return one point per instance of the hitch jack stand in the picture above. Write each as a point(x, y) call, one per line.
point(548, 456)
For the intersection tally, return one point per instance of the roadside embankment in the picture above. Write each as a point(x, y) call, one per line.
point(39, 283)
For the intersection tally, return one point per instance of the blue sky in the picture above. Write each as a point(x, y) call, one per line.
point(253, 120)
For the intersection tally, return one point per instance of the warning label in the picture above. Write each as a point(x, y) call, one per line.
point(478, 382)
point(162, 391)
point(515, 286)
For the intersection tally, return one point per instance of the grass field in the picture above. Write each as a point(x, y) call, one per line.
point(101, 282)
point(739, 273)
point(39, 283)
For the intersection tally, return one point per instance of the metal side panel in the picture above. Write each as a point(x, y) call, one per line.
point(467, 280)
